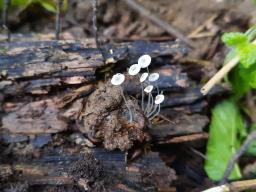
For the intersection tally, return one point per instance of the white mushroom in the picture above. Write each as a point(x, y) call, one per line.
point(143, 77)
point(153, 77)
point(159, 99)
point(144, 61)
point(118, 79)
point(156, 109)
point(134, 69)
point(148, 89)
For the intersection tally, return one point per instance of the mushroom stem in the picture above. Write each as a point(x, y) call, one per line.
point(129, 109)
point(152, 106)
point(142, 97)
point(158, 111)
point(149, 103)
point(157, 88)
point(152, 111)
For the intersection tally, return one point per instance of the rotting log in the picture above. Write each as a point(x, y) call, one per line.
point(37, 74)
point(67, 70)
point(70, 58)
point(39, 67)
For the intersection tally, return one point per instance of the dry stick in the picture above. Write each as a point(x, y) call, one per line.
point(201, 27)
point(234, 186)
point(221, 73)
point(164, 25)
point(239, 153)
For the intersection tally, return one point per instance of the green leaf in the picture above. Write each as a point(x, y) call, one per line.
point(247, 54)
point(223, 142)
point(252, 80)
point(48, 5)
point(17, 3)
point(239, 79)
point(234, 38)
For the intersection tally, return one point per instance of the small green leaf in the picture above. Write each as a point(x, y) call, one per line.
point(17, 3)
point(247, 54)
point(48, 5)
point(239, 79)
point(234, 38)
point(223, 142)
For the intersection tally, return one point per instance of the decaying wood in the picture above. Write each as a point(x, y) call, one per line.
point(100, 169)
point(39, 67)
point(70, 58)
point(183, 125)
point(64, 71)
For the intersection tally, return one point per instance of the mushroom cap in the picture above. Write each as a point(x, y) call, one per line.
point(144, 61)
point(143, 77)
point(148, 89)
point(134, 69)
point(118, 79)
point(153, 77)
point(159, 99)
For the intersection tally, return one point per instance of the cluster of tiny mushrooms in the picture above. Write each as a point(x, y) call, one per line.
point(148, 82)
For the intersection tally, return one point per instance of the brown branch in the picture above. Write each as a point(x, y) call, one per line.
point(159, 22)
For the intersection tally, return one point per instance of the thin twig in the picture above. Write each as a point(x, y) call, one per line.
point(200, 154)
point(234, 186)
point(6, 4)
point(202, 35)
point(159, 22)
point(166, 119)
point(239, 153)
point(94, 21)
point(221, 74)
point(95, 5)
point(201, 27)
point(58, 19)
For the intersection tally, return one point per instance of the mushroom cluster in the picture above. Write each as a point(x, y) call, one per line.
point(148, 82)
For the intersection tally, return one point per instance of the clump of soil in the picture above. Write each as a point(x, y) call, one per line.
point(89, 174)
point(106, 119)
